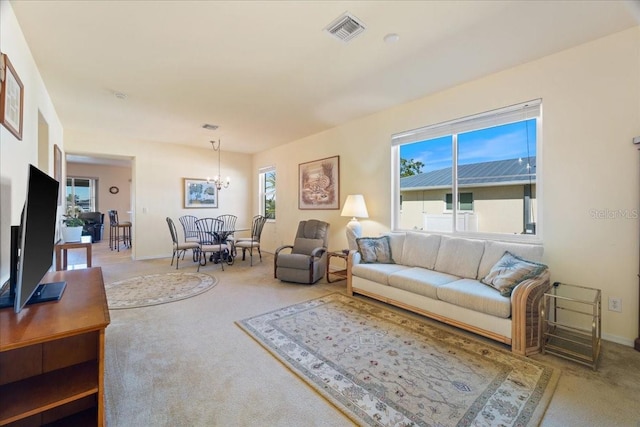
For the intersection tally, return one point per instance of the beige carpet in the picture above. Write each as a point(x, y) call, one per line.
point(385, 369)
point(188, 364)
point(157, 289)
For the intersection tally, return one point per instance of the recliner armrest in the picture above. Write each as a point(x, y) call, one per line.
point(282, 248)
point(318, 252)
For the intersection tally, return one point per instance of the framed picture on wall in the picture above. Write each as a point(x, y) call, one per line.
point(57, 171)
point(200, 193)
point(319, 184)
point(11, 97)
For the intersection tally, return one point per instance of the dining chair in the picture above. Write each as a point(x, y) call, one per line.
point(114, 231)
point(180, 248)
point(249, 243)
point(229, 227)
point(189, 227)
point(209, 230)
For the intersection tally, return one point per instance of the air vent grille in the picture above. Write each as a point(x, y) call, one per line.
point(346, 27)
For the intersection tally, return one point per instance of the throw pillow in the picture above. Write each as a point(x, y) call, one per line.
point(509, 271)
point(375, 250)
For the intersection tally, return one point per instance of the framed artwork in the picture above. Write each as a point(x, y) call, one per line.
point(11, 97)
point(200, 193)
point(57, 171)
point(319, 184)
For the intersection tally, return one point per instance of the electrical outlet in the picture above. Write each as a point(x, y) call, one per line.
point(615, 304)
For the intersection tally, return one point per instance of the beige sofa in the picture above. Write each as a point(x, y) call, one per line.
point(440, 277)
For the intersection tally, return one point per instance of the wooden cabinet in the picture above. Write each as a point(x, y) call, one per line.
point(52, 356)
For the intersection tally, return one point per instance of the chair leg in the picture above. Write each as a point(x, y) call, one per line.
point(172, 256)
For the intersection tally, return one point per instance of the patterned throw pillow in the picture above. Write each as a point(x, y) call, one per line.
point(509, 271)
point(375, 250)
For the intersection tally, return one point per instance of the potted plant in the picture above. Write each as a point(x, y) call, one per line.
point(72, 230)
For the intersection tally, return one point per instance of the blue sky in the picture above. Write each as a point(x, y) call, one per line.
point(497, 143)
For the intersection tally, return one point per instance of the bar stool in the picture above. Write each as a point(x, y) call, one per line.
point(114, 231)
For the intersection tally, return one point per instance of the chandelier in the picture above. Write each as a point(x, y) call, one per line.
point(217, 180)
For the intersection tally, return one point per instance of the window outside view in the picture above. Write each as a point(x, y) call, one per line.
point(493, 174)
point(80, 195)
point(269, 194)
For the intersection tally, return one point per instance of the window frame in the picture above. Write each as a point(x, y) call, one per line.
point(513, 113)
point(450, 210)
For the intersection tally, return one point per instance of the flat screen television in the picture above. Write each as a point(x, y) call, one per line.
point(32, 245)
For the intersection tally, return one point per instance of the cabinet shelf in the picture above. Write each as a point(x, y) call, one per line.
point(37, 394)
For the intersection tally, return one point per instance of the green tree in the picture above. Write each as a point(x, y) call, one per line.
point(270, 195)
point(410, 167)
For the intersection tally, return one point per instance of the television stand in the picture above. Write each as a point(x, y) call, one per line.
point(52, 355)
point(44, 292)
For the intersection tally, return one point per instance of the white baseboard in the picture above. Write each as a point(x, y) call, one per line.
point(618, 340)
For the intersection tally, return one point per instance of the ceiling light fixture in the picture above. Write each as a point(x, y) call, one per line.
point(217, 180)
point(210, 127)
point(120, 95)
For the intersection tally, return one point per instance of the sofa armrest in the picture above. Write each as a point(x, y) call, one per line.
point(353, 258)
point(525, 314)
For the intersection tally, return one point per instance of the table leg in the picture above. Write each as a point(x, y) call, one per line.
point(58, 260)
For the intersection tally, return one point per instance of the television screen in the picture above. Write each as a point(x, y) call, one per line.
point(37, 240)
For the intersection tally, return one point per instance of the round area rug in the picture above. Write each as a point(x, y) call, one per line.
point(157, 289)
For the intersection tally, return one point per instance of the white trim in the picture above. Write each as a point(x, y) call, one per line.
point(514, 113)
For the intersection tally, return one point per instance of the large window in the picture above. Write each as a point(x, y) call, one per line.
point(487, 163)
point(267, 180)
point(81, 194)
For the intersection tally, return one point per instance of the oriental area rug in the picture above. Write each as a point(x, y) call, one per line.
point(382, 368)
point(157, 289)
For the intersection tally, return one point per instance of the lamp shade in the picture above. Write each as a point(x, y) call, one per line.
point(355, 207)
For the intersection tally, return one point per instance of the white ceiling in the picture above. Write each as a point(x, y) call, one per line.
point(267, 73)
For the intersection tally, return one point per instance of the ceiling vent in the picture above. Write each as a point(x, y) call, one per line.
point(345, 27)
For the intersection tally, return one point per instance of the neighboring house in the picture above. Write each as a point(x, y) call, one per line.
point(494, 197)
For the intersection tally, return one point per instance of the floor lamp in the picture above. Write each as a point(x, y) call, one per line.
point(354, 207)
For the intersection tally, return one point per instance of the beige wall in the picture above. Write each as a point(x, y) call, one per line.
point(499, 208)
point(157, 184)
point(41, 130)
point(107, 176)
point(591, 112)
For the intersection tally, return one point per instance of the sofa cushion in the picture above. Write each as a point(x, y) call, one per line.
point(396, 242)
point(376, 272)
point(476, 296)
point(420, 281)
point(460, 257)
point(306, 246)
point(509, 271)
point(375, 250)
point(493, 251)
point(420, 250)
